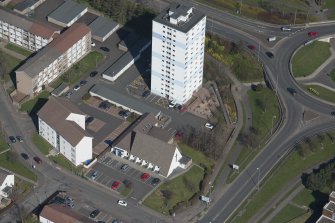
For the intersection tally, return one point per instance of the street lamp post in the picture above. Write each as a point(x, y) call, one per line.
point(273, 117)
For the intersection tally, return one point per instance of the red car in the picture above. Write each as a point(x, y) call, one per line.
point(313, 34)
point(37, 160)
point(252, 47)
point(116, 185)
point(145, 176)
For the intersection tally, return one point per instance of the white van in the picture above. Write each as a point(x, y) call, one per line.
point(272, 38)
point(285, 28)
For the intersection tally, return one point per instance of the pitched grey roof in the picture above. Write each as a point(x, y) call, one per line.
point(174, 11)
point(101, 26)
point(60, 109)
point(154, 151)
point(105, 91)
point(67, 11)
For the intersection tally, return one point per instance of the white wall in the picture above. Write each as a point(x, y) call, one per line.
point(174, 163)
point(78, 119)
point(44, 220)
point(84, 150)
point(47, 132)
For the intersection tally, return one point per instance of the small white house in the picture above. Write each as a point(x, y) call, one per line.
point(6, 183)
point(62, 124)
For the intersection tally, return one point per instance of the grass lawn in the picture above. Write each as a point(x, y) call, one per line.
point(10, 161)
point(66, 164)
point(10, 63)
point(289, 168)
point(305, 197)
point(324, 93)
point(307, 59)
point(182, 188)
point(197, 156)
point(35, 104)
point(330, 4)
point(332, 73)
point(3, 144)
point(84, 66)
point(288, 213)
point(18, 49)
point(41, 144)
point(265, 110)
point(23, 186)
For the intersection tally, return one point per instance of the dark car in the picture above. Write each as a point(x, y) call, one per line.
point(125, 114)
point(82, 82)
point(37, 160)
point(19, 138)
point(103, 48)
point(269, 54)
point(292, 91)
point(12, 139)
point(155, 181)
point(93, 73)
point(146, 94)
point(24, 156)
point(94, 213)
point(105, 105)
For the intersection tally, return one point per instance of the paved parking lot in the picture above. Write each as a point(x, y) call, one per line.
point(109, 170)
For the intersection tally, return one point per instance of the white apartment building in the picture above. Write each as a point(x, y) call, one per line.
point(178, 37)
point(54, 59)
point(24, 31)
point(62, 124)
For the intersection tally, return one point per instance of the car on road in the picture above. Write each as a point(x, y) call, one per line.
point(103, 48)
point(93, 73)
point(155, 181)
point(269, 54)
point(283, 28)
point(94, 175)
point(82, 82)
point(116, 185)
point(94, 213)
point(76, 88)
point(146, 94)
point(292, 91)
point(124, 167)
point(313, 34)
point(93, 44)
point(19, 138)
point(38, 160)
point(209, 125)
point(145, 176)
point(272, 38)
point(12, 139)
point(122, 203)
point(25, 156)
point(252, 47)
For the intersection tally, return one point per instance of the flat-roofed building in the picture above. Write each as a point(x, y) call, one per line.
point(25, 31)
point(62, 124)
point(27, 6)
point(54, 59)
point(102, 28)
point(67, 14)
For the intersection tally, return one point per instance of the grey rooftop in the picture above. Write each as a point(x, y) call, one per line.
point(68, 11)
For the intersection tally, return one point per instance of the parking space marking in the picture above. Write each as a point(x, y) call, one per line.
point(98, 177)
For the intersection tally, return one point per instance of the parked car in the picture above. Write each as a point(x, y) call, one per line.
point(12, 139)
point(145, 176)
point(94, 175)
point(103, 48)
point(269, 54)
point(209, 125)
point(38, 160)
point(155, 181)
point(122, 203)
point(146, 93)
point(105, 105)
point(93, 73)
point(76, 88)
point(252, 47)
point(68, 94)
point(285, 28)
point(94, 213)
point(24, 156)
point(313, 34)
point(124, 113)
point(124, 167)
point(82, 82)
point(333, 113)
point(116, 185)
point(19, 138)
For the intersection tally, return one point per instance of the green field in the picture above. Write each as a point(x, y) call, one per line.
point(324, 93)
point(41, 144)
point(290, 168)
point(10, 161)
point(34, 105)
point(9, 64)
point(308, 58)
point(288, 214)
point(66, 164)
point(332, 75)
point(78, 70)
point(18, 49)
point(182, 188)
point(3, 144)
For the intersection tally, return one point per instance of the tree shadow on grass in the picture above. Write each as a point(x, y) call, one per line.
point(320, 199)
